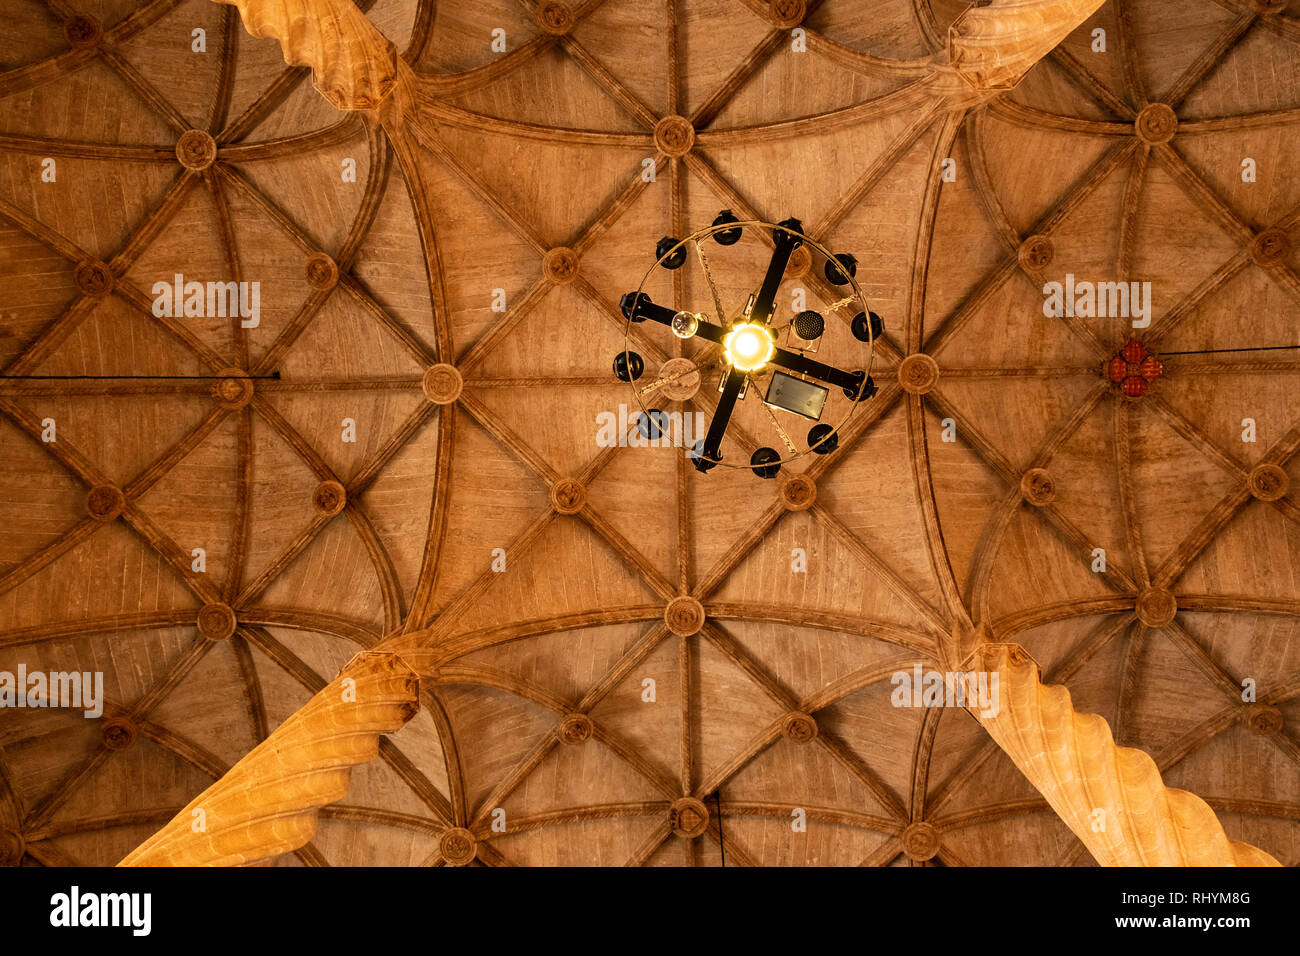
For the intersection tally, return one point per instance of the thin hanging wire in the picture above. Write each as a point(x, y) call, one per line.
point(785, 437)
point(722, 846)
point(713, 288)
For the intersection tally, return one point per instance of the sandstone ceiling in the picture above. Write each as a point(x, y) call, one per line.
point(323, 548)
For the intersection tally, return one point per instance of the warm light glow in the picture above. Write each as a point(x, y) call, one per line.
point(685, 324)
point(749, 346)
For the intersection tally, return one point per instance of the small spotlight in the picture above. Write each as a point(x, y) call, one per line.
point(696, 456)
point(765, 462)
point(789, 226)
point(726, 237)
point(628, 366)
point(822, 439)
point(864, 329)
point(869, 388)
point(840, 269)
point(626, 303)
point(678, 257)
point(652, 425)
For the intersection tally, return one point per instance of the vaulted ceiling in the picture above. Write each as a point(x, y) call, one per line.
point(177, 433)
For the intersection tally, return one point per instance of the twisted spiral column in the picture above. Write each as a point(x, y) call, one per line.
point(353, 65)
point(266, 804)
point(1079, 769)
point(992, 47)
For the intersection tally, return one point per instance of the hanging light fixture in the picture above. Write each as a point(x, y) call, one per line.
point(753, 346)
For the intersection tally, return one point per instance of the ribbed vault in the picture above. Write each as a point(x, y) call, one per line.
point(771, 688)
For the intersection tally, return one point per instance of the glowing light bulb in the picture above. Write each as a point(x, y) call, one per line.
point(749, 346)
point(685, 324)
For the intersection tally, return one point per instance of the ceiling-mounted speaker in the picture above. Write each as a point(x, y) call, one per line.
point(808, 325)
point(726, 237)
point(678, 257)
point(840, 269)
point(823, 439)
point(628, 366)
point(766, 462)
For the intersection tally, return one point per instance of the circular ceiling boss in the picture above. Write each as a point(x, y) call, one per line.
point(802, 371)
